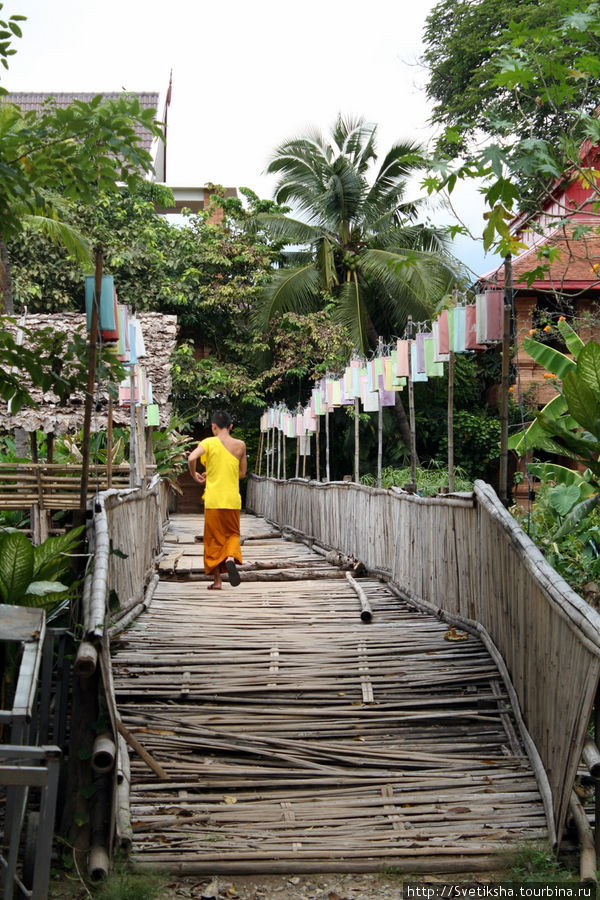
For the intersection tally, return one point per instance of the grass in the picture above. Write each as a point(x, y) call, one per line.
point(430, 479)
point(121, 884)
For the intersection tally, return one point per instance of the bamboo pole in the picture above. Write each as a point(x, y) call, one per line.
point(91, 382)
point(451, 421)
point(133, 448)
point(142, 753)
point(506, 342)
point(411, 410)
point(587, 858)
point(279, 442)
point(379, 427)
point(318, 450)
point(366, 612)
point(109, 443)
point(258, 461)
point(327, 468)
point(356, 440)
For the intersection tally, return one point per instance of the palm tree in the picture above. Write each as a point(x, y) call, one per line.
point(364, 247)
point(363, 250)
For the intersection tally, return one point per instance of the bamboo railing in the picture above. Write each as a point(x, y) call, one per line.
point(464, 555)
point(52, 485)
point(125, 535)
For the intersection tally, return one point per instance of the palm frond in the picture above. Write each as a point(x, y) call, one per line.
point(351, 312)
point(65, 235)
point(413, 281)
point(389, 185)
point(344, 194)
point(355, 140)
point(290, 289)
point(292, 231)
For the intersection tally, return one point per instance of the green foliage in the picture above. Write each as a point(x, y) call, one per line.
point(29, 576)
point(10, 29)
point(430, 479)
point(568, 538)
point(78, 151)
point(125, 885)
point(529, 84)
point(534, 862)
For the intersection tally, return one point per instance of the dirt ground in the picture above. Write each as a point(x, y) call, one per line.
point(277, 887)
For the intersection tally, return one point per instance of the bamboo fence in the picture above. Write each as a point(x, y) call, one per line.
point(464, 556)
point(52, 485)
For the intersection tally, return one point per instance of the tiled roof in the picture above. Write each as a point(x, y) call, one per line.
point(572, 269)
point(30, 101)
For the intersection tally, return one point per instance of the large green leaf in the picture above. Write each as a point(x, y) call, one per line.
point(583, 403)
point(577, 514)
point(572, 339)
point(563, 498)
point(562, 475)
point(43, 588)
point(16, 566)
point(552, 360)
point(50, 559)
point(588, 367)
point(45, 598)
point(524, 441)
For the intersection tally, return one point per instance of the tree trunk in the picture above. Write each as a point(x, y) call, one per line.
point(6, 294)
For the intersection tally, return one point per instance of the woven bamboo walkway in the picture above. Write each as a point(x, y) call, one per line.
point(297, 738)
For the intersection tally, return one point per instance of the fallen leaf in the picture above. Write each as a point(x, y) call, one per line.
point(229, 799)
point(453, 635)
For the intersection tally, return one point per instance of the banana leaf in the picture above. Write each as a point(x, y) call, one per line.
point(588, 367)
point(562, 475)
point(552, 360)
point(571, 338)
point(524, 441)
point(577, 515)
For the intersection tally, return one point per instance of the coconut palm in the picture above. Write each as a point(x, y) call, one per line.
point(363, 250)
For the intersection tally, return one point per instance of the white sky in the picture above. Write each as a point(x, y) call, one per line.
point(247, 75)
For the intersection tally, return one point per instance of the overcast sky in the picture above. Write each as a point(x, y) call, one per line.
point(247, 74)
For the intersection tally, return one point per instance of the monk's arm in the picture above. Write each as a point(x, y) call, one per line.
point(192, 459)
point(243, 463)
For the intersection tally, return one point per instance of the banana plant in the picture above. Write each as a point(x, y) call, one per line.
point(30, 576)
point(569, 425)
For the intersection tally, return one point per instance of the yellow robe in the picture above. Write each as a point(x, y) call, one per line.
point(222, 504)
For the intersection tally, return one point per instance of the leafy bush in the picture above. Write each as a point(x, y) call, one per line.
point(574, 552)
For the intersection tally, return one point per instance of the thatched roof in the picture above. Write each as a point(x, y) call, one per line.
point(160, 333)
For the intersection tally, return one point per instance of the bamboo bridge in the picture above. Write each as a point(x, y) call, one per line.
point(398, 681)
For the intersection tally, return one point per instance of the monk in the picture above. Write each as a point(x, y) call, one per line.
point(225, 461)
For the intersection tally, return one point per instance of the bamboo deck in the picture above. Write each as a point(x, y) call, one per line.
point(297, 738)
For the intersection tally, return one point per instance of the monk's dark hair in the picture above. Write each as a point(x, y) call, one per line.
point(221, 419)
